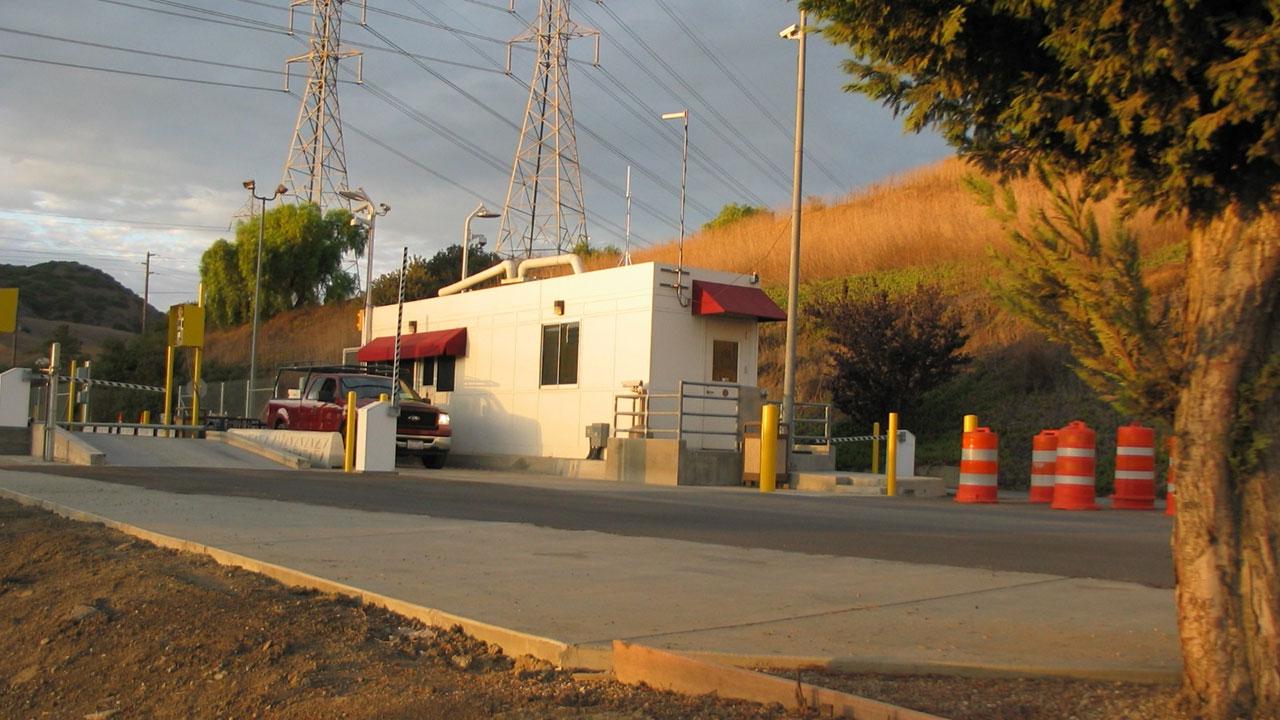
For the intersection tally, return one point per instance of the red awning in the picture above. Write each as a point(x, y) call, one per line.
point(711, 298)
point(418, 345)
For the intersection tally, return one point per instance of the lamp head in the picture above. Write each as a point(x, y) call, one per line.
point(358, 195)
point(249, 185)
point(281, 189)
point(682, 115)
point(484, 212)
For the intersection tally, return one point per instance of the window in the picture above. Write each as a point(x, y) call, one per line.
point(445, 367)
point(724, 361)
point(560, 354)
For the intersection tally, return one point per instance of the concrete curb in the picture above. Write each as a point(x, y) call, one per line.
point(289, 460)
point(893, 666)
point(600, 656)
point(635, 664)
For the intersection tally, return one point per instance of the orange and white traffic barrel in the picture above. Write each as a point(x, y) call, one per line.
point(979, 467)
point(1170, 481)
point(1044, 458)
point(1135, 468)
point(1074, 474)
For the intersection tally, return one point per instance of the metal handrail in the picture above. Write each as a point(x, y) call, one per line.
point(823, 437)
point(642, 404)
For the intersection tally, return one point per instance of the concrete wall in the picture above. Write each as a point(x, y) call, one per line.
point(670, 462)
point(15, 397)
point(630, 328)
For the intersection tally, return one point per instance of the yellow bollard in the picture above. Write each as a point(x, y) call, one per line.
point(970, 423)
point(146, 417)
point(195, 374)
point(168, 385)
point(349, 449)
point(875, 448)
point(891, 459)
point(71, 394)
point(768, 448)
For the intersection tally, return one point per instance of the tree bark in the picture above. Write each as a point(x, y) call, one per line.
point(1226, 538)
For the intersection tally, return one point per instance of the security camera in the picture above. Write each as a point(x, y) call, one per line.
point(385, 208)
point(790, 33)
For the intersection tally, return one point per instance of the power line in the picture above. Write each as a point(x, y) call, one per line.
point(267, 29)
point(744, 88)
point(763, 164)
point(148, 53)
point(114, 221)
point(134, 73)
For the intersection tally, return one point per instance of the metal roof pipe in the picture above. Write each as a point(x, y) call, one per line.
point(506, 268)
point(569, 259)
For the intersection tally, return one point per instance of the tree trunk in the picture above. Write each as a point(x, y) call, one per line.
point(1226, 539)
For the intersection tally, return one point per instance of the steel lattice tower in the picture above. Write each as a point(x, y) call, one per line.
point(545, 211)
point(317, 165)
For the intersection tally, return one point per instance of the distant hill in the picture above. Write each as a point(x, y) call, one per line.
point(72, 292)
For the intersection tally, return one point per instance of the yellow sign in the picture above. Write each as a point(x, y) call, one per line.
point(360, 320)
point(8, 310)
point(186, 325)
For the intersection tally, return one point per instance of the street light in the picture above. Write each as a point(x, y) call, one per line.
point(480, 212)
point(257, 289)
point(365, 205)
point(795, 32)
point(683, 116)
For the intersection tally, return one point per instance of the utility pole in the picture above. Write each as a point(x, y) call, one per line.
point(795, 32)
point(316, 169)
point(545, 210)
point(146, 289)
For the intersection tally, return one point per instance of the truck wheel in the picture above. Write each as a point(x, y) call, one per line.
point(435, 462)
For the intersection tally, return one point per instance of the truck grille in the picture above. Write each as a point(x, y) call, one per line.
point(421, 419)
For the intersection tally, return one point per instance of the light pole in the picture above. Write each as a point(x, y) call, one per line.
point(371, 213)
point(257, 290)
point(684, 168)
point(480, 212)
point(795, 32)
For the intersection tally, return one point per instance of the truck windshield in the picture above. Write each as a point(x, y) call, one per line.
point(369, 387)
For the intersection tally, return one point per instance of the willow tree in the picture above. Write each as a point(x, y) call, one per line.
point(302, 253)
point(1172, 105)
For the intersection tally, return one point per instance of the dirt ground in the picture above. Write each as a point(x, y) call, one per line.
point(97, 624)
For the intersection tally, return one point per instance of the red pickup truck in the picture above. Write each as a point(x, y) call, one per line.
point(315, 398)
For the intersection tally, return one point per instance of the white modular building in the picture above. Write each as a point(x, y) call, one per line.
point(525, 366)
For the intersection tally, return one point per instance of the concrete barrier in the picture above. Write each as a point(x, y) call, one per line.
point(320, 449)
point(67, 447)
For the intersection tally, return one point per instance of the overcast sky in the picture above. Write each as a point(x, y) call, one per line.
point(103, 167)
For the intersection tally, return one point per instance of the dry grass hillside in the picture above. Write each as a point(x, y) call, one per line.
point(922, 218)
point(315, 334)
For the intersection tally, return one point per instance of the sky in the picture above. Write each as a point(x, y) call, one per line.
point(103, 167)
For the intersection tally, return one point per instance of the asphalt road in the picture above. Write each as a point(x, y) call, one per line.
point(1111, 545)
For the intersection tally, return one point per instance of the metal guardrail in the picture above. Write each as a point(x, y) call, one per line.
point(140, 429)
point(644, 420)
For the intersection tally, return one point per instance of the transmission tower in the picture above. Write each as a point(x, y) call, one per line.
point(545, 211)
point(317, 165)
